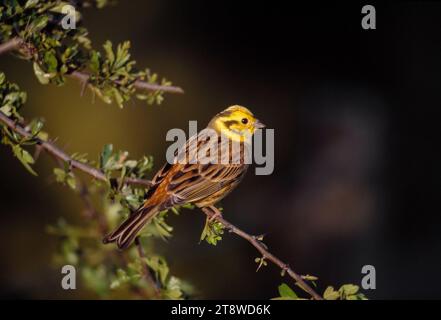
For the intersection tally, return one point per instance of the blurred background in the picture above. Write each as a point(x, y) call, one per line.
point(356, 120)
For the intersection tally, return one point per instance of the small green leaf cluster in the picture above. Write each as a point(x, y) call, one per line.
point(212, 232)
point(171, 286)
point(286, 293)
point(117, 164)
point(11, 100)
point(113, 76)
point(57, 52)
point(111, 277)
point(65, 176)
point(116, 274)
point(346, 292)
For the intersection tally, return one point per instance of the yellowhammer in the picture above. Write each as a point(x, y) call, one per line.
point(189, 179)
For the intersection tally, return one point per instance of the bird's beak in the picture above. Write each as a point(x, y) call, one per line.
point(258, 124)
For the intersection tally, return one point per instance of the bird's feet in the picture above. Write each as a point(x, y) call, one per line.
point(215, 214)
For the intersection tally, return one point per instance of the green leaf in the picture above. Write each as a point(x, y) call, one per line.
point(331, 294)
point(59, 7)
point(212, 232)
point(310, 278)
point(44, 136)
point(51, 61)
point(286, 292)
point(35, 125)
point(60, 174)
point(164, 230)
point(109, 51)
point(105, 155)
point(174, 291)
point(31, 3)
point(121, 278)
point(41, 75)
point(94, 63)
point(38, 24)
point(122, 54)
point(159, 265)
point(118, 97)
point(361, 296)
point(71, 182)
point(131, 163)
point(24, 157)
point(65, 177)
point(349, 289)
point(287, 298)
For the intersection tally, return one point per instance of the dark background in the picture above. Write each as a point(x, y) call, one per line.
point(357, 163)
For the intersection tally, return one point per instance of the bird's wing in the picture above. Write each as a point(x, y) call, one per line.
point(187, 180)
point(195, 182)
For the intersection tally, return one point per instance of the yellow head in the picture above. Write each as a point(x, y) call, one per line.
point(235, 122)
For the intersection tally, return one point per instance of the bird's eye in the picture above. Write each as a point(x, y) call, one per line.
point(244, 120)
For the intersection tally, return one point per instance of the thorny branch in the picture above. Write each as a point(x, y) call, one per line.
point(214, 213)
point(83, 77)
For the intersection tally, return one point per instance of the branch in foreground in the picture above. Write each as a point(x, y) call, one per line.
point(17, 43)
point(55, 151)
point(214, 213)
point(211, 212)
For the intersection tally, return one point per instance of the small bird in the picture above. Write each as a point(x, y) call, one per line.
point(189, 180)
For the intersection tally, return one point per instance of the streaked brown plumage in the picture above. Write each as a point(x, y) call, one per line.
point(191, 180)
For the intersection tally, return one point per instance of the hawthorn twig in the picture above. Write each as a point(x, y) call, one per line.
point(83, 77)
point(211, 212)
point(55, 151)
point(16, 43)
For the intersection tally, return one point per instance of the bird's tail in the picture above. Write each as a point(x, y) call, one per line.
point(127, 231)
